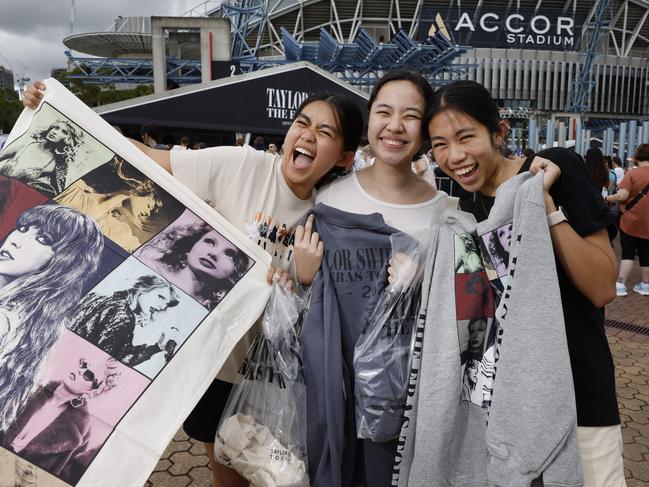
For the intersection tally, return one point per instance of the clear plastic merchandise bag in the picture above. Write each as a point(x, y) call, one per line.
point(383, 352)
point(262, 432)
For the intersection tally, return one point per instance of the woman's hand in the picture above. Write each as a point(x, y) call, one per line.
point(309, 250)
point(275, 274)
point(550, 169)
point(33, 95)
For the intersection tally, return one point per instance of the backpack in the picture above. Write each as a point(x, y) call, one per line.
point(613, 178)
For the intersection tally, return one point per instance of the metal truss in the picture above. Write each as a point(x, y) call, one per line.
point(582, 87)
point(112, 70)
point(245, 17)
point(624, 34)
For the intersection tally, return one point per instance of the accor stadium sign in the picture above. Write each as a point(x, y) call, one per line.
point(502, 28)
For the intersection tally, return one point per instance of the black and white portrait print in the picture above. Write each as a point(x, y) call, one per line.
point(137, 317)
point(496, 246)
point(467, 257)
point(479, 366)
point(53, 153)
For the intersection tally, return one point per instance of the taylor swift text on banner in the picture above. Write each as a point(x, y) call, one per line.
point(112, 321)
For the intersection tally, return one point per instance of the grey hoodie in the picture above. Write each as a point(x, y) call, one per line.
point(492, 401)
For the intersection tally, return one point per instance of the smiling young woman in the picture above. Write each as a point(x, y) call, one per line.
point(466, 135)
point(250, 187)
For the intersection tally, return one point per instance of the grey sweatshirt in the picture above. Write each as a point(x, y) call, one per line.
point(492, 402)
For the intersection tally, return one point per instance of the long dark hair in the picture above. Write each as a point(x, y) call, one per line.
point(596, 167)
point(350, 122)
point(469, 98)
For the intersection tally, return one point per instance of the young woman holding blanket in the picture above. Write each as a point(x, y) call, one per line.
point(247, 186)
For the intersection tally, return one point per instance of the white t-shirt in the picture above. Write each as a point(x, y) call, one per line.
point(619, 173)
point(347, 194)
point(247, 187)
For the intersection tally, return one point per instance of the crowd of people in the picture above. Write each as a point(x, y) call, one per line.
point(414, 135)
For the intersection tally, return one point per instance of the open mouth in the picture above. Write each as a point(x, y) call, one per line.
point(207, 263)
point(466, 174)
point(5, 255)
point(302, 158)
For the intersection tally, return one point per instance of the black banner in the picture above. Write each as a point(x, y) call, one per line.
point(262, 103)
point(500, 27)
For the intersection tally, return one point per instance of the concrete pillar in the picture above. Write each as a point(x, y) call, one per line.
point(212, 44)
point(531, 134)
point(645, 132)
point(579, 137)
point(562, 134)
point(214, 41)
point(633, 133)
point(587, 138)
point(621, 150)
point(159, 60)
point(608, 139)
point(549, 135)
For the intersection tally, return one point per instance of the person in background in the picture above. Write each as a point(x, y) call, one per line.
point(634, 223)
point(150, 135)
point(596, 167)
point(617, 167)
point(272, 148)
point(612, 175)
point(184, 144)
point(258, 143)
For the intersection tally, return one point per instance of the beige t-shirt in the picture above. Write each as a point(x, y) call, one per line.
point(247, 187)
point(347, 194)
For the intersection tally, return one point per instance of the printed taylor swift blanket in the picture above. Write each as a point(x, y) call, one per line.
point(121, 295)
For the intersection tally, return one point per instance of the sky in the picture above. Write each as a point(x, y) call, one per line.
point(32, 31)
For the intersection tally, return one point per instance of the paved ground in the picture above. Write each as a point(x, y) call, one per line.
point(184, 463)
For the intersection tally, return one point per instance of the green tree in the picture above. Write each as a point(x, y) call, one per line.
point(93, 94)
point(10, 108)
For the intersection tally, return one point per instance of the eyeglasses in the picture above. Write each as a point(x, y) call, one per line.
point(88, 375)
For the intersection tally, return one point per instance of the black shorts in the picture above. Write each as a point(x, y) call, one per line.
point(634, 245)
point(203, 421)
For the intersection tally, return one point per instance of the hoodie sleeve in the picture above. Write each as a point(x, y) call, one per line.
point(533, 411)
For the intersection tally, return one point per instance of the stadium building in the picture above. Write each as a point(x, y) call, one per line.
point(540, 58)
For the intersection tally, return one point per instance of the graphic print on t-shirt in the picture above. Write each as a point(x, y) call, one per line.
point(476, 327)
point(495, 247)
point(276, 238)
